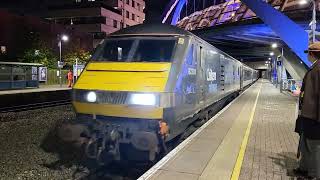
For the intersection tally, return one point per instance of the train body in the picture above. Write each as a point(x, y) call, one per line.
point(145, 85)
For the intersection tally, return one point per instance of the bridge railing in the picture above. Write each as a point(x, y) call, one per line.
point(231, 11)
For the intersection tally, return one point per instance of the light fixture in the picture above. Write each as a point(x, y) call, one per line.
point(303, 2)
point(64, 38)
point(271, 53)
point(269, 58)
point(274, 45)
point(91, 97)
point(143, 99)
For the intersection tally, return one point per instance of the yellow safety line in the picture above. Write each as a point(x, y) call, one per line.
point(238, 165)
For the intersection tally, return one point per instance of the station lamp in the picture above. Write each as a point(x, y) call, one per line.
point(274, 45)
point(303, 2)
point(271, 53)
point(64, 38)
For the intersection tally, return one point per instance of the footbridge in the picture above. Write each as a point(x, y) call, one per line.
point(247, 29)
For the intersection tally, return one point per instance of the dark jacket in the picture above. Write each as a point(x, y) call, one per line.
point(308, 122)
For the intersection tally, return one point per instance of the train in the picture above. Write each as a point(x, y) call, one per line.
point(145, 86)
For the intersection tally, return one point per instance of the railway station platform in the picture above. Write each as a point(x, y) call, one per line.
point(252, 138)
point(42, 88)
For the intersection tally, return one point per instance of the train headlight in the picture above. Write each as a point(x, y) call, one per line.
point(92, 97)
point(143, 99)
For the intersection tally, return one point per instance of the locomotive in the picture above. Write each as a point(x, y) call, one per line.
point(146, 85)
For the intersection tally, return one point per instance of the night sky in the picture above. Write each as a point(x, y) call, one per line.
point(154, 8)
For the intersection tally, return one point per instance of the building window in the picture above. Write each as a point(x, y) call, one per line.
point(115, 23)
point(133, 3)
point(127, 14)
point(133, 17)
point(3, 49)
point(127, 1)
point(121, 25)
point(138, 6)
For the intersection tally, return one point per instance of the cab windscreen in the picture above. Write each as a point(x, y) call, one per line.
point(136, 49)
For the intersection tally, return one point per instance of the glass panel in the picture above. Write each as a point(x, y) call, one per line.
point(5, 69)
point(4, 77)
point(29, 74)
point(18, 70)
point(18, 77)
point(138, 49)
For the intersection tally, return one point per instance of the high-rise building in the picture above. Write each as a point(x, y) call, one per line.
point(131, 10)
point(98, 18)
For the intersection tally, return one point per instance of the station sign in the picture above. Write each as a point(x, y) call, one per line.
point(77, 69)
point(60, 64)
point(43, 74)
point(34, 72)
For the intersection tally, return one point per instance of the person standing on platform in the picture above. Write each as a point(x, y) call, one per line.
point(308, 122)
point(70, 78)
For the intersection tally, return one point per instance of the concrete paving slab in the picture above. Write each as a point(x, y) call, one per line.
point(169, 175)
point(31, 90)
point(189, 162)
point(213, 152)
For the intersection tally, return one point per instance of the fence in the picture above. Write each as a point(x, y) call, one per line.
point(54, 79)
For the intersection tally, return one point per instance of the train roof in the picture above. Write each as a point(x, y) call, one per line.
point(152, 29)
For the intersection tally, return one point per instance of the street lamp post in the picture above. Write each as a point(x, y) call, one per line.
point(61, 38)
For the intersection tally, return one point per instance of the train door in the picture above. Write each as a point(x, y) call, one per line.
point(222, 73)
point(201, 75)
point(234, 73)
point(241, 77)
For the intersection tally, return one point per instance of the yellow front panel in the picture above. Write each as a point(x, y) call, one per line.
point(145, 112)
point(137, 77)
point(129, 66)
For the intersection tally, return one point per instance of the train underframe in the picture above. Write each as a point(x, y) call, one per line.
point(109, 139)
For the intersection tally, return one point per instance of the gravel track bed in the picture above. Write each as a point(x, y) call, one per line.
point(26, 144)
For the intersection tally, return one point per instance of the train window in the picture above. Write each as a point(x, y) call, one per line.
point(137, 49)
point(202, 53)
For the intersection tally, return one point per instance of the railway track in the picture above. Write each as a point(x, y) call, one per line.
point(34, 100)
point(112, 172)
point(32, 106)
